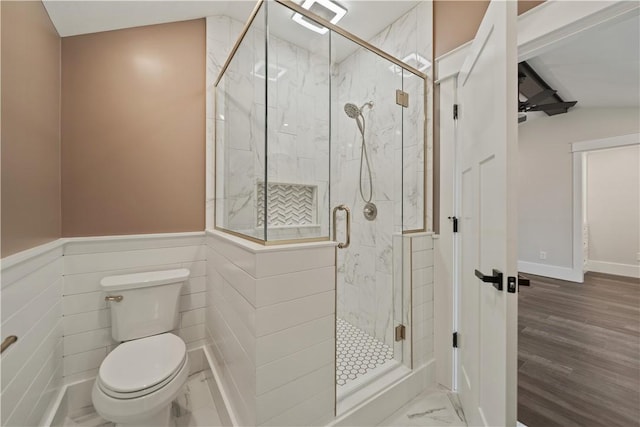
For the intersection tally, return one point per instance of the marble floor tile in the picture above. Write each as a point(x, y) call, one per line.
point(194, 407)
point(88, 420)
point(434, 407)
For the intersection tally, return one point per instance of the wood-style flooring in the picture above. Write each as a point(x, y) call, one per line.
point(579, 352)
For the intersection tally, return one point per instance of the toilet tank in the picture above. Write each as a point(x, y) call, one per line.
point(150, 302)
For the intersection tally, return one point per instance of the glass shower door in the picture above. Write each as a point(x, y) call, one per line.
point(367, 177)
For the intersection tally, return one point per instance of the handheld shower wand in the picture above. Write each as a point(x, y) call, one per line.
point(352, 111)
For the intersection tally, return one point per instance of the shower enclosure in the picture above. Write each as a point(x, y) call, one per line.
point(319, 131)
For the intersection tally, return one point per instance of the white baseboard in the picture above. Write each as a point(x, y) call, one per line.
point(57, 411)
point(220, 395)
point(614, 268)
point(553, 271)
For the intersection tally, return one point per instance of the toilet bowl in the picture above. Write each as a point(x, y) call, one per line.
point(139, 379)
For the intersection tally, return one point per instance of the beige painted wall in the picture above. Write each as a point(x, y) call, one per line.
point(30, 127)
point(456, 21)
point(133, 130)
point(545, 210)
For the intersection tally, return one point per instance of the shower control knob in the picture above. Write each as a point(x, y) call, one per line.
point(370, 211)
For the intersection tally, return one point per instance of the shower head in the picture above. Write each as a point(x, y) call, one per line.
point(352, 110)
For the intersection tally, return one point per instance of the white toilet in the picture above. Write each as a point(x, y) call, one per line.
point(141, 377)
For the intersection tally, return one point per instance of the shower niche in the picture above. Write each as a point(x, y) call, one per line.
point(293, 210)
point(310, 126)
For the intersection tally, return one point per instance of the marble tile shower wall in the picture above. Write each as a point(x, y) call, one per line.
point(222, 33)
point(239, 119)
point(296, 103)
point(395, 140)
point(298, 137)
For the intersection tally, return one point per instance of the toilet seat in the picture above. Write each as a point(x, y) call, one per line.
point(140, 367)
point(139, 393)
point(142, 410)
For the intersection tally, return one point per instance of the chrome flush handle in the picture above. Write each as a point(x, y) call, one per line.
point(114, 298)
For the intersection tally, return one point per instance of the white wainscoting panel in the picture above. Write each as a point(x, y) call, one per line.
point(51, 299)
point(31, 300)
point(270, 318)
point(422, 302)
point(86, 315)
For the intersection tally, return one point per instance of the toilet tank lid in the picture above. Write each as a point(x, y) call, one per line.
point(143, 280)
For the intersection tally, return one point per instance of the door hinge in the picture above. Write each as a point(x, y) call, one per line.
point(402, 98)
point(455, 111)
point(401, 332)
point(455, 340)
point(454, 219)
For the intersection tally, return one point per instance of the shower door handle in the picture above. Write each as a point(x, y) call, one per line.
point(335, 217)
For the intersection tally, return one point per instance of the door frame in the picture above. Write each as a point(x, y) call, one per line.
point(539, 30)
point(578, 152)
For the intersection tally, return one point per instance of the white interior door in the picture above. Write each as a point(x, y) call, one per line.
point(487, 141)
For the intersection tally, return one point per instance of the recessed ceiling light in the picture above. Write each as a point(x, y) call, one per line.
point(326, 9)
point(414, 59)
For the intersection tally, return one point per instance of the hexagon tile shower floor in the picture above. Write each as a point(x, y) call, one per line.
point(358, 352)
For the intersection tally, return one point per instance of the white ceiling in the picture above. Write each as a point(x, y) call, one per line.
point(74, 17)
point(597, 68)
point(364, 18)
